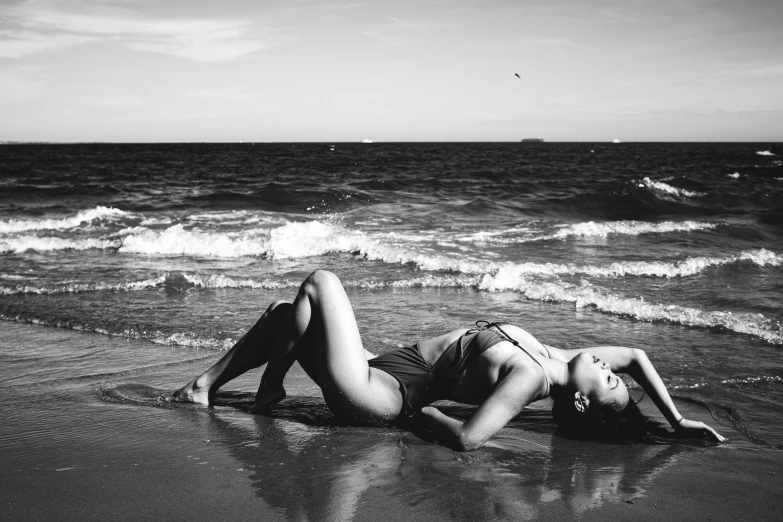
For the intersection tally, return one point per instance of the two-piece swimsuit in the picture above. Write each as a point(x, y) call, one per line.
point(422, 383)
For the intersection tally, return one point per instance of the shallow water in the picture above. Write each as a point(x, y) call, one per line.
point(103, 436)
point(674, 248)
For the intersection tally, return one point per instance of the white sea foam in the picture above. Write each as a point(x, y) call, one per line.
point(585, 229)
point(17, 277)
point(764, 153)
point(176, 240)
point(189, 339)
point(689, 386)
point(467, 270)
point(502, 236)
point(155, 221)
point(42, 244)
point(734, 175)
point(585, 295)
point(314, 238)
point(513, 278)
point(128, 231)
point(229, 215)
point(468, 273)
point(68, 288)
point(427, 281)
point(683, 268)
point(222, 281)
point(424, 259)
point(668, 189)
point(754, 380)
point(83, 216)
point(423, 236)
point(156, 336)
point(589, 296)
point(761, 257)
point(237, 217)
point(627, 227)
point(292, 240)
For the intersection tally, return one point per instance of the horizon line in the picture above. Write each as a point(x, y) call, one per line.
point(243, 142)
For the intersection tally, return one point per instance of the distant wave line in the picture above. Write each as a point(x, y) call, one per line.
point(189, 339)
point(669, 190)
point(274, 237)
point(585, 296)
point(588, 296)
point(83, 216)
point(471, 273)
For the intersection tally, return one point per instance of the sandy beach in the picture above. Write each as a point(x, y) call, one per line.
point(605, 176)
point(97, 447)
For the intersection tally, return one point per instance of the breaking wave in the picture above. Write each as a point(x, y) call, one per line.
point(527, 234)
point(582, 296)
point(292, 240)
point(524, 278)
point(683, 268)
point(83, 287)
point(588, 296)
point(257, 235)
point(43, 244)
point(667, 189)
point(627, 227)
point(468, 273)
point(84, 216)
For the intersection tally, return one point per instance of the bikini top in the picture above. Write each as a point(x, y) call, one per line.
point(485, 325)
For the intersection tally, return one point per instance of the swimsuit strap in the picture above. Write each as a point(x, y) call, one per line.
point(484, 325)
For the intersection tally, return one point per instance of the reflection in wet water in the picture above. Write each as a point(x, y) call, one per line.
point(310, 468)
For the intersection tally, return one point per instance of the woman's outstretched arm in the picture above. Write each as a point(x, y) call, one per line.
point(635, 363)
point(515, 390)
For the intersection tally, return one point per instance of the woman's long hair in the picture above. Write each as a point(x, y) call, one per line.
point(603, 421)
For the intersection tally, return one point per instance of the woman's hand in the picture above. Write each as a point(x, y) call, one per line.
point(691, 428)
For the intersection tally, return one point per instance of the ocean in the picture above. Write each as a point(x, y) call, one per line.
point(676, 248)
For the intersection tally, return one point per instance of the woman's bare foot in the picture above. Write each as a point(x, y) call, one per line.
point(267, 397)
point(191, 392)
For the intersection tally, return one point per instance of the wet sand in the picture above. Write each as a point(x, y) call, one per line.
point(88, 441)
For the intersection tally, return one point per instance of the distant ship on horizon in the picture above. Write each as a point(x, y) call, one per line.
point(366, 140)
point(533, 140)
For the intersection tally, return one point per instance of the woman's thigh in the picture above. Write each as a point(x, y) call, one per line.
point(334, 357)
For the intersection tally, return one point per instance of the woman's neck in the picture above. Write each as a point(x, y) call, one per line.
point(556, 373)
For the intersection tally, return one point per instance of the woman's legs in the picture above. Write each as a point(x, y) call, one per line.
point(320, 331)
point(251, 351)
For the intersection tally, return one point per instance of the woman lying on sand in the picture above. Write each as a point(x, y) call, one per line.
point(501, 369)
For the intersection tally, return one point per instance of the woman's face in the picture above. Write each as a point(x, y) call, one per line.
point(593, 377)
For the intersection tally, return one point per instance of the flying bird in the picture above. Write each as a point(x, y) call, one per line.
point(517, 75)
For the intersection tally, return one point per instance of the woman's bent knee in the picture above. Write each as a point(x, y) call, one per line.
point(275, 304)
point(277, 308)
point(320, 281)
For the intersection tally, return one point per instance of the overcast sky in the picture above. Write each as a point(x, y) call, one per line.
point(442, 70)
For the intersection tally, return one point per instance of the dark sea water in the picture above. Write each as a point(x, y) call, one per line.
point(674, 248)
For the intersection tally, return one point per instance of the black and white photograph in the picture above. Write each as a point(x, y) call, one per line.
point(443, 260)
